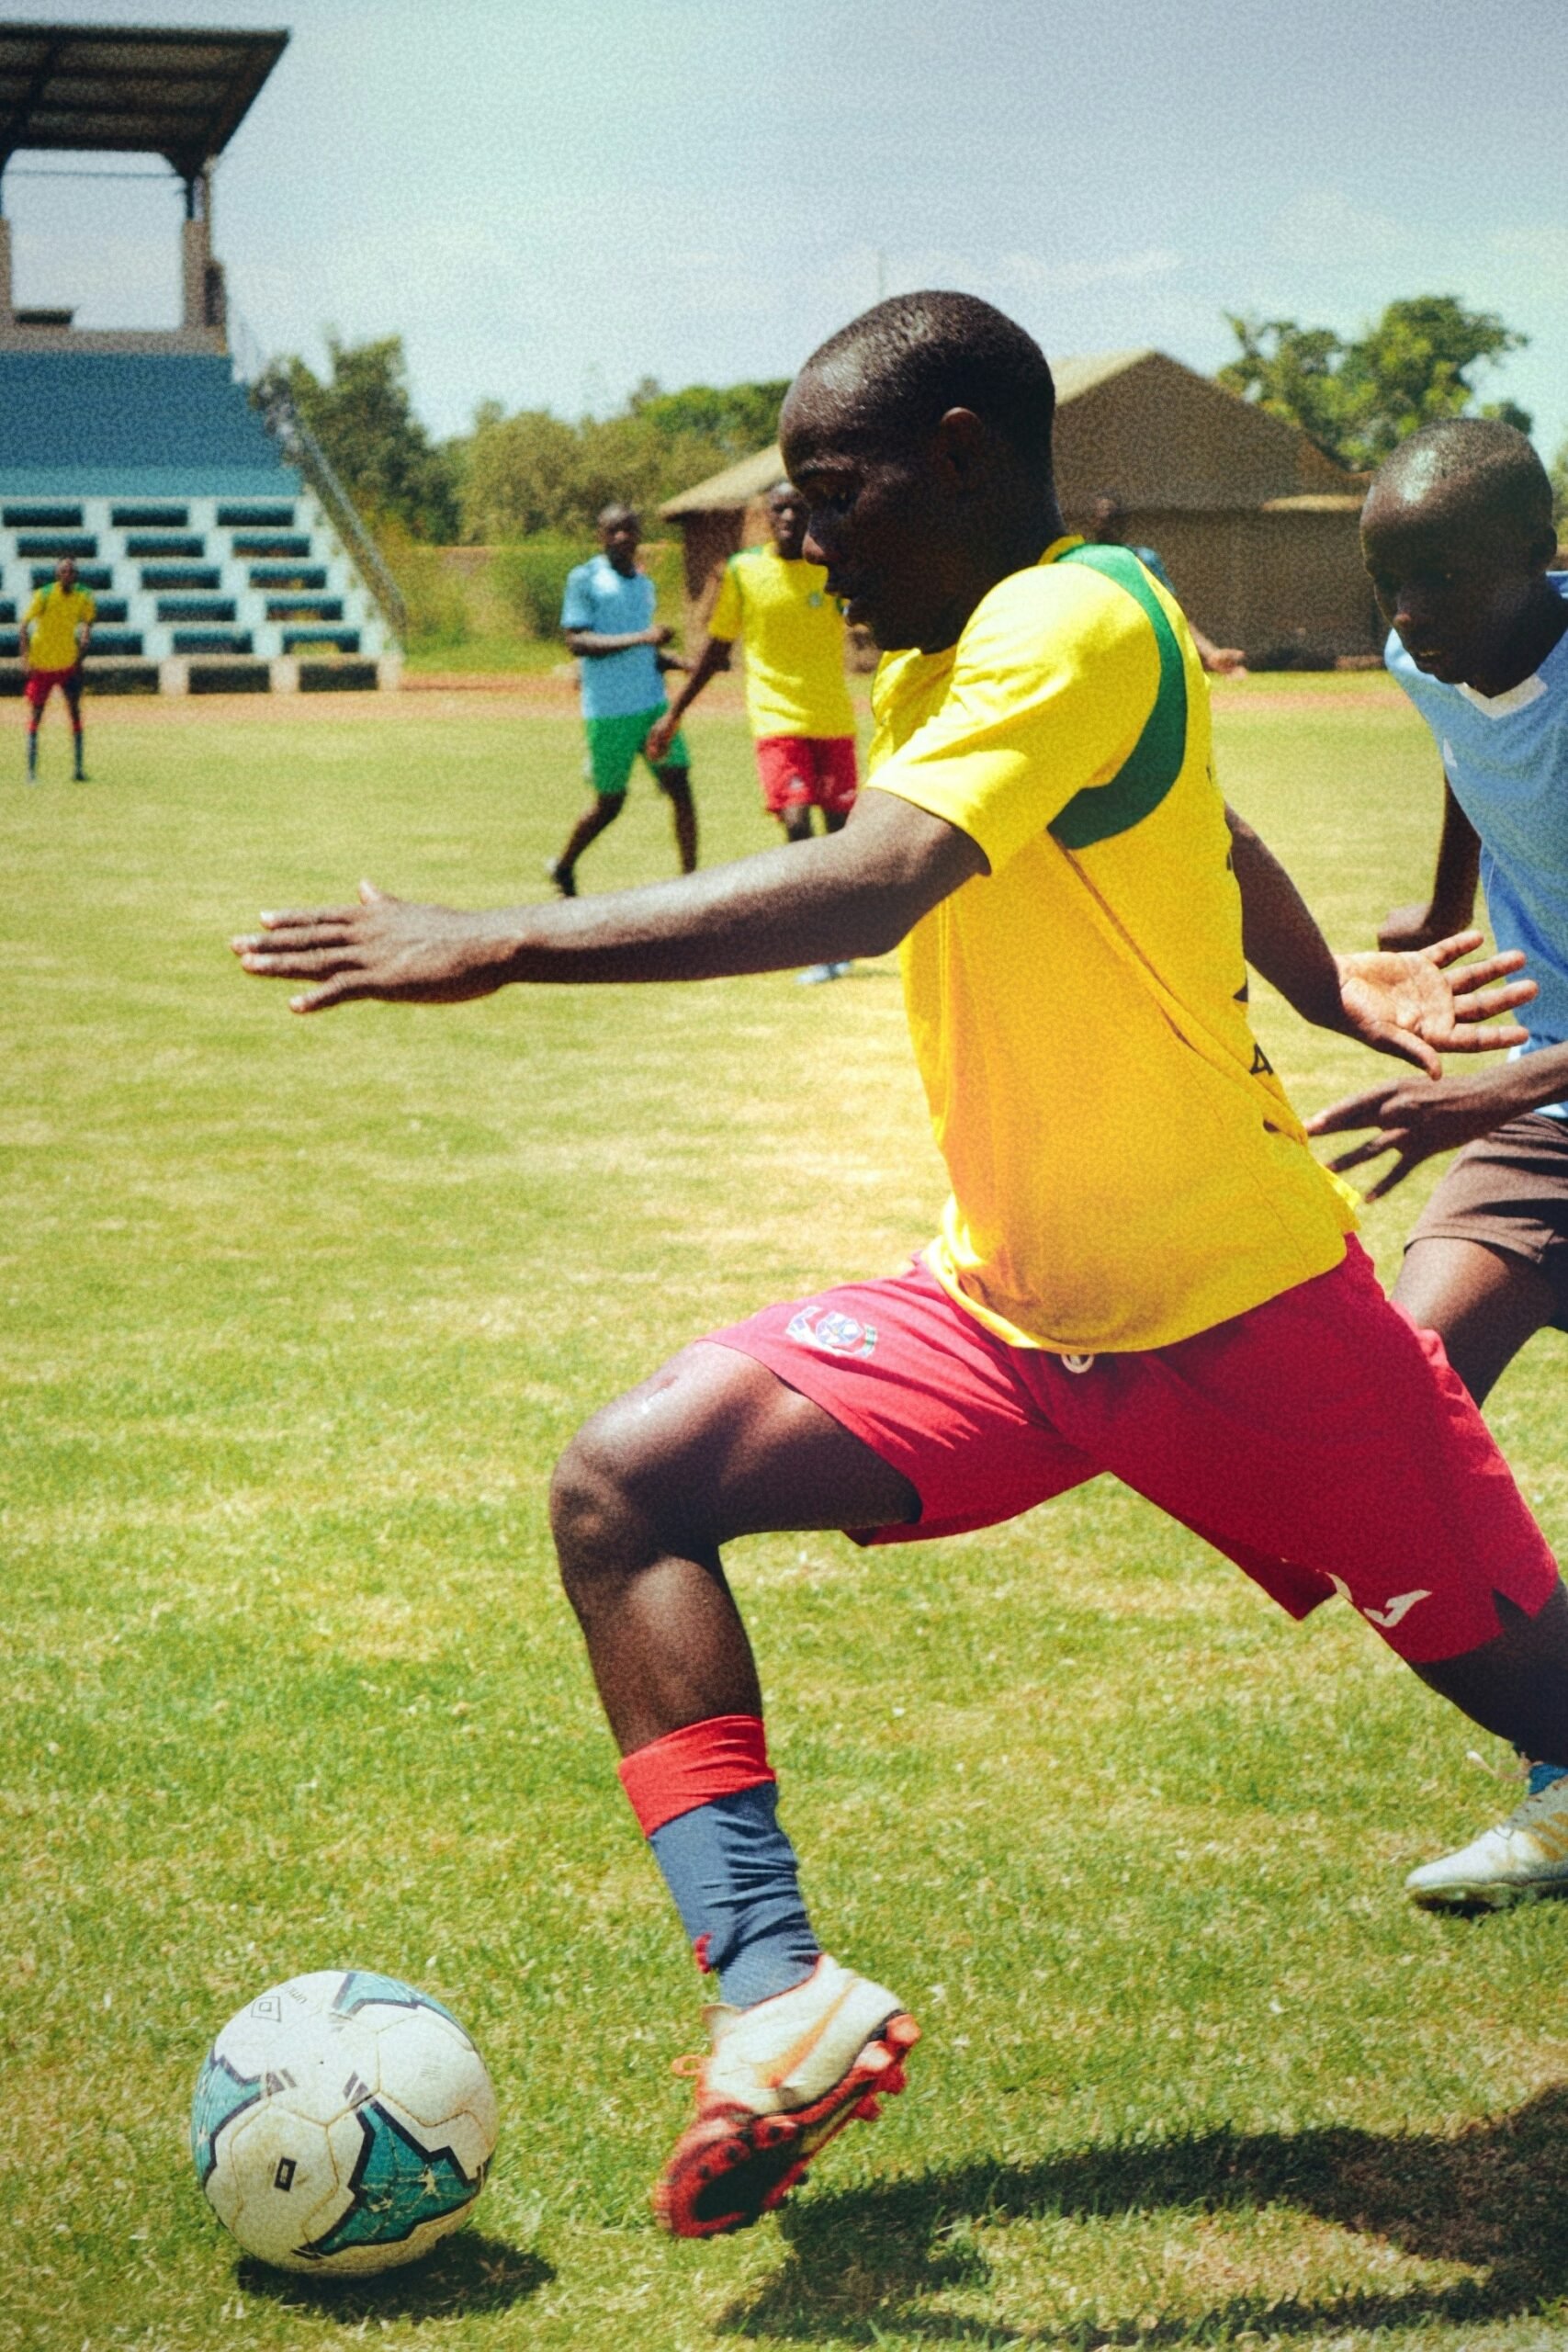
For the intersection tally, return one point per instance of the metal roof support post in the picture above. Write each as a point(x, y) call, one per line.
point(197, 300)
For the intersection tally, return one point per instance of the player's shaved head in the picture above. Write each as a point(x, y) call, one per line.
point(902, 367)
point(613, 516)
point(1469, 471)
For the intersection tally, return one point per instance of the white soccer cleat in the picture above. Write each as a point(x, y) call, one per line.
point(1524, 1858)
point(782, 2079)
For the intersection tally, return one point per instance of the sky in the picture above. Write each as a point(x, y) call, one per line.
point(550, 199)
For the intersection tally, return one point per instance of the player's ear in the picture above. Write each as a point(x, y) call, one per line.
point(961, 445)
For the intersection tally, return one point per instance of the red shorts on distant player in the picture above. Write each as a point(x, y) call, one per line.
point(41, 684)
point(1320, 1441)
point(808, 772)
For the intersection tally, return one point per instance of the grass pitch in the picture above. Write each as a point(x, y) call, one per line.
point(296, 1317)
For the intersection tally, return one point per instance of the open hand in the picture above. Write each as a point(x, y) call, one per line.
point(1410, 1003)
point(383, 947)
point(661, 735)
point(1413, 1118)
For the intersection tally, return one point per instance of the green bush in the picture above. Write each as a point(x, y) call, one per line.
point(529, 578)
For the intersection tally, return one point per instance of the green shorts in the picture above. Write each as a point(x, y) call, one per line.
point(615, 744)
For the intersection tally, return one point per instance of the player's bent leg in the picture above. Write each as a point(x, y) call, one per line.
point(716, 1445)
point(1517, 1686)
point(601, 813)
point(1482, 1302)
point(1326, 1443)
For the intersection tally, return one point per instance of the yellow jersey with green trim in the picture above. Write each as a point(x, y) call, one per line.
point(795, 643)
point(1126, 1169)
point(56, 614)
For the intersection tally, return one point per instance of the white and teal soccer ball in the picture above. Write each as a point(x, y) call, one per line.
point(342, 2123)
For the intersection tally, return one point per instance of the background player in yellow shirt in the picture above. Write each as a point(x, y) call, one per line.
point(52, 640)
point(1141, 1271)
point(797, 701)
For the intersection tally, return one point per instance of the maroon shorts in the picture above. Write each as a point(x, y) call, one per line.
point(41, 684)
point(1509, 1190)
point(1320, 1441)
point(808, 772)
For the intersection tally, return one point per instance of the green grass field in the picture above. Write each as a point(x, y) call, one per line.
point(296, 1317)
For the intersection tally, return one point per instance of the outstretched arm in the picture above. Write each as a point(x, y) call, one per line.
point(1407, 1003)
point(594, 643)
point(714, 657)
point(1413, 1120)
point(1451, 906)
point(839, 897)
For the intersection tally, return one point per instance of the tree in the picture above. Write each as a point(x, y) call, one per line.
point(739, 419)
point(363, 417)
point(1356, 400)
point(1558, 469)
point(535, 472)
point(520, 476)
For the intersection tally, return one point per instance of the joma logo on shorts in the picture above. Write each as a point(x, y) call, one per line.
point(835, 1334)
point(1399, 1607)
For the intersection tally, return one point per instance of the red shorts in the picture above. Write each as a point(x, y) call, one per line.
point(1320, 1441)
point(808, 772)
point(41, 684)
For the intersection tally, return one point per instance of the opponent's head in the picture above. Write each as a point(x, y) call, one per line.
point(65, 572)
point(788, 516)
point(1457, 534)
point(620, 533)
point(921, 434)
point(1107, 524)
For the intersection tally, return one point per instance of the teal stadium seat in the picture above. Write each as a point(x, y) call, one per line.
point(196, 537)
point(126, 425)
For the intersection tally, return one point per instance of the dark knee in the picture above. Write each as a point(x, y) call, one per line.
point(589, 1504)
point(611, 1501)
point(676, 783)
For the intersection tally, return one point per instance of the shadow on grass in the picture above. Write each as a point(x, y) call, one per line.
point(863, 2263)
point(468, 2272)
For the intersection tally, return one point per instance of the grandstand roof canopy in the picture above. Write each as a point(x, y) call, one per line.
point(138, 89)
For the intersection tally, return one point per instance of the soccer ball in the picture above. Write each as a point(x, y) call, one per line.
point(342, 2123)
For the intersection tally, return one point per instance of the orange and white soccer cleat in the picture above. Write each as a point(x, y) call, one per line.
point(781, 2081)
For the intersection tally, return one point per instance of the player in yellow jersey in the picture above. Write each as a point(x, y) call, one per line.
point(797, 700)
point(1141, 1271)
point(54, 641)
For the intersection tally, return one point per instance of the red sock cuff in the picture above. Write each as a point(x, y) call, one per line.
point(692, 1766)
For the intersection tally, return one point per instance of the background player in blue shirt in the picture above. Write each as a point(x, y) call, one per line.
point(1457, 536)
point(608, 619)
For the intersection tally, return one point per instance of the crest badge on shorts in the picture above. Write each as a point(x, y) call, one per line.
point(836, 1334)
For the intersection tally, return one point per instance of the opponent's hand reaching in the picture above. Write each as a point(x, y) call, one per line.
point(1413, 1118)
point(390, 948)
point(1411, 1003)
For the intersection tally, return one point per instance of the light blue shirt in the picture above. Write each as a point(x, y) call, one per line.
point(602, 599)
point(1506, 758)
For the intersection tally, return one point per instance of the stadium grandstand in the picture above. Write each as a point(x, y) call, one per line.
point(219, 546)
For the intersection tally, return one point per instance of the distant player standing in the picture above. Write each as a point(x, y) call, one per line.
point(52, 640)
point(802, 718)
point(608, 619)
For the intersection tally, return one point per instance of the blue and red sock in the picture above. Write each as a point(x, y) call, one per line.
point(707, 1800)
